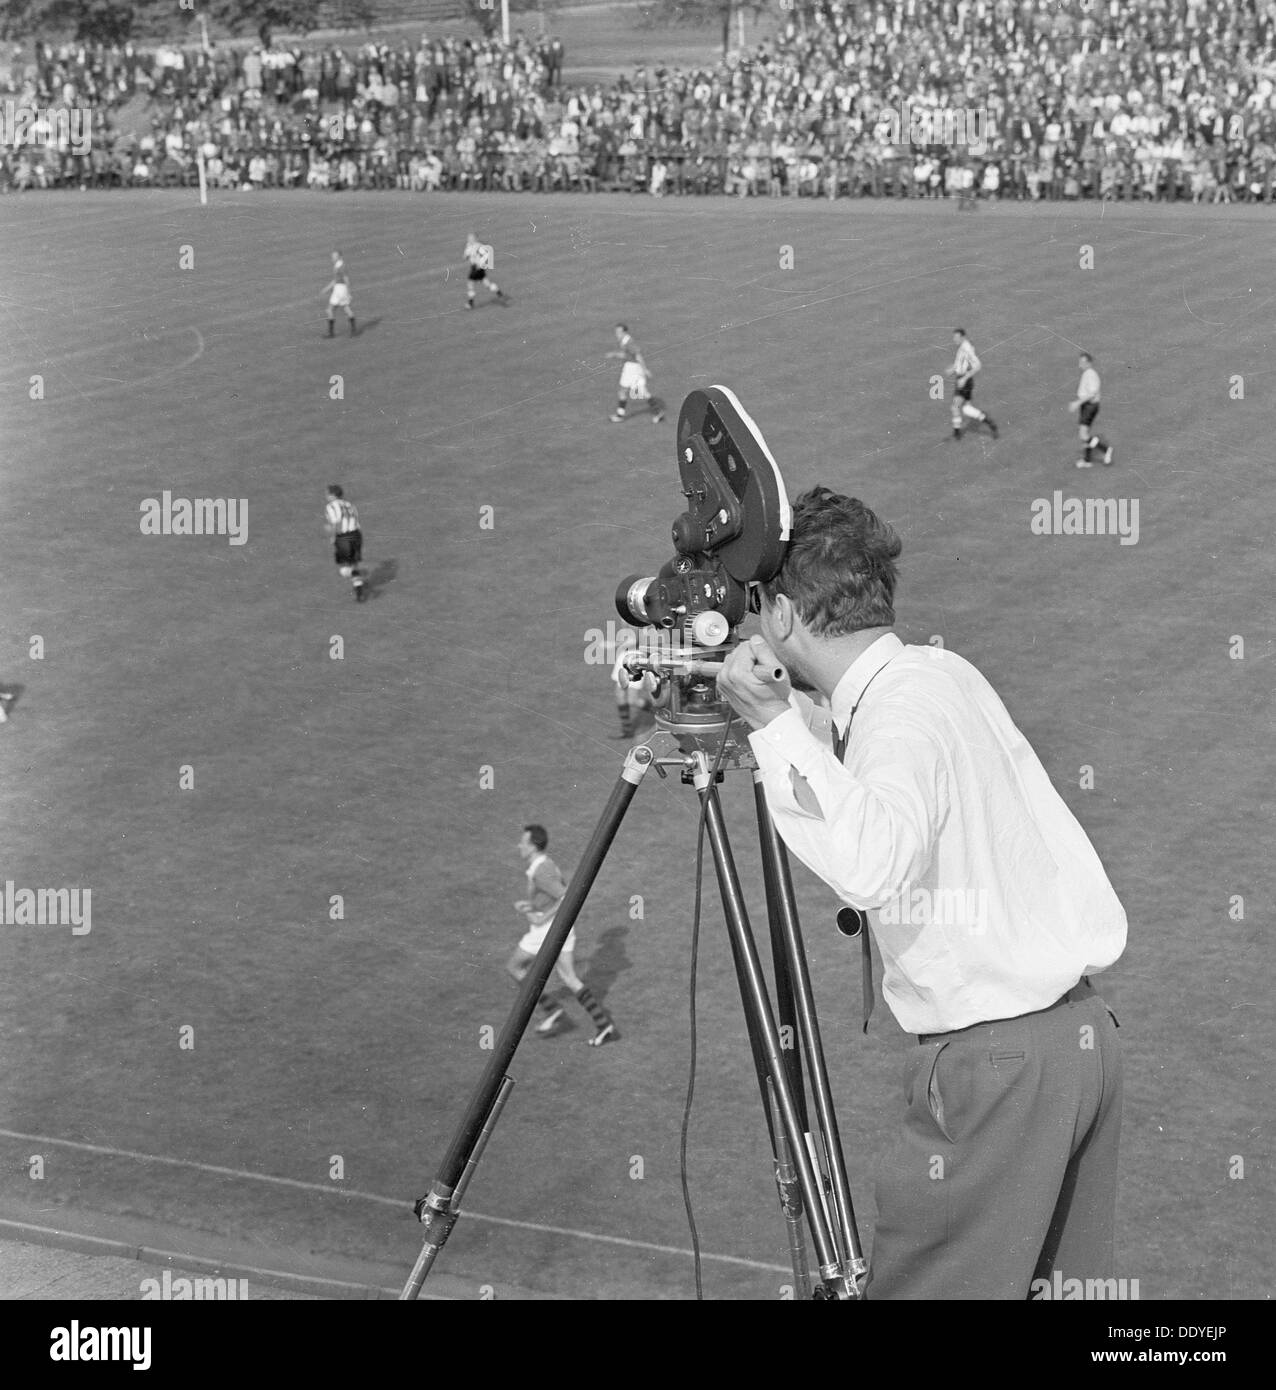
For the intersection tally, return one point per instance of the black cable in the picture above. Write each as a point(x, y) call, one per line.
point(691, 1010)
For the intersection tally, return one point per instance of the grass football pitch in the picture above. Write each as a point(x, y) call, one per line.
point(229, 1055)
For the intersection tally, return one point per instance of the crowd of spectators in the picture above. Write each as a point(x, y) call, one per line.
point(1158, 99)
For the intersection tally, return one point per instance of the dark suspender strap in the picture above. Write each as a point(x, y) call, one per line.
point(866, 941)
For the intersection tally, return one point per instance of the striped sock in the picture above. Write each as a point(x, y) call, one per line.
point(547, 1005)
point(596, 1011)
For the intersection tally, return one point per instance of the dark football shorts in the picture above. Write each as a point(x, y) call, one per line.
point(477, 273)
point(349, 548)
point(965, 392)
point(1089, 409)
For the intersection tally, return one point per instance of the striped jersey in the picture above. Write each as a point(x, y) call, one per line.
point(1089, 388)
point(342, 516)
point(480, 255)
point(966, 361)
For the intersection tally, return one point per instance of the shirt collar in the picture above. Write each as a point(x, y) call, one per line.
point(858, 674)
point(535, 862)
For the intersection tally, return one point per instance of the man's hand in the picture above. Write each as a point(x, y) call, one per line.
point(522, 906)
point(747, 680)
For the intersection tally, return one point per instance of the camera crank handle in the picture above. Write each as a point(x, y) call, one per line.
point(773, 675)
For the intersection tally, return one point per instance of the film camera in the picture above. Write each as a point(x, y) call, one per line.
point(733, 533)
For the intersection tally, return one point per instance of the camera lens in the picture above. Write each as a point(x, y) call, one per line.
point(632, 597)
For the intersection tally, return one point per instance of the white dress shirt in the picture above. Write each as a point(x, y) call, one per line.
point(985, 898)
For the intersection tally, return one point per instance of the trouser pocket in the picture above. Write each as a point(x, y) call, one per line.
point(934, 1093)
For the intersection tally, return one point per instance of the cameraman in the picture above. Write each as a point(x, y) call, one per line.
point(987, 904)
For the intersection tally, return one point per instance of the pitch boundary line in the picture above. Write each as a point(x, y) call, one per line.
point(317, 1286)
point(400, 1202)
point(115, 384)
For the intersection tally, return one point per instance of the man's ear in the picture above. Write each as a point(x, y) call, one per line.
point(784, 615)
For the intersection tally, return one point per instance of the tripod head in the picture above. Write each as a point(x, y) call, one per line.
point(733, 533)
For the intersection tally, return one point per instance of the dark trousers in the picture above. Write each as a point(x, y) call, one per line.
point(1004, 1169)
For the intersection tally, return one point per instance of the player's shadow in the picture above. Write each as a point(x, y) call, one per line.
point(381, 576)
point(366, 327)
point(609, 960)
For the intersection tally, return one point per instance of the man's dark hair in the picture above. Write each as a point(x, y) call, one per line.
point(538, 835)
point(336, 490)
point(1088, 358)
point(839, 568)
point(959, 332)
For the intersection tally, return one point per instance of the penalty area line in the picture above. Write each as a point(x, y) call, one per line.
point(330, 1191)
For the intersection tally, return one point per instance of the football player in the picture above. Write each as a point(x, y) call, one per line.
point(546, 888)
point(341, 520)
point(338, 291)
point(965, 365)
point(1086, 406)
point(635, 379)
point(481, 259)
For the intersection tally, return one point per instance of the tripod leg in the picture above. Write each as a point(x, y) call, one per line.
point(437, 1209)
point(761, 1023)
point(785, 1007)
point(776, 866)
point(786, 1182)
point(439, 1215)
point(759, 1057)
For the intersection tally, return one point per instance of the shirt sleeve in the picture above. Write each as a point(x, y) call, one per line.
point(869, 827)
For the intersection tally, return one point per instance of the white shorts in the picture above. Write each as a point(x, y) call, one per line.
point(531, 943)
point(634, 380)
point(340, 297)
